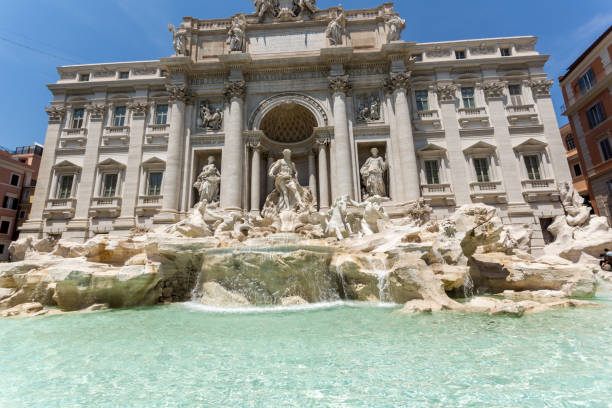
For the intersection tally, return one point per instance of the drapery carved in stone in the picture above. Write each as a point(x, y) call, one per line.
point(395, 25)
point(336, 29)
point(237, 34)
point(541, 87)
point(56, 113)
point(266, 7)
point(446, 92)
point(494, 89)
point(304, 6)
point(236, 89)
point(179, 41)
point(340, 84)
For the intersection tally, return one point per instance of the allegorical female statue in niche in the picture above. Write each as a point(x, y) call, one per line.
point(372, 174)
point(208, 182)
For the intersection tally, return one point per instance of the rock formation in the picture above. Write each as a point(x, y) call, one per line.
point(354, 252)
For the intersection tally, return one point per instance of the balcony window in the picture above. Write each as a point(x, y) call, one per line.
point(460, 54)
point(155, 183)
point(577, 170)
point(422, 100)
point(467, 94)
point(65, 186)
point(432, 171)
point(481, 166)
point(161, 114)
point(606, 149)
point(505, 52)
point(109, 188)
point(516, 95)
point(77, 118)
point(570, 144)
point(596, 115)
point(587, 81)
point(119, 117)
point(532, 164)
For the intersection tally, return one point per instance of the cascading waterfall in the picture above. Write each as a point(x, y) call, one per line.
point(468, 286)
point(196, 293)
point(378, 266)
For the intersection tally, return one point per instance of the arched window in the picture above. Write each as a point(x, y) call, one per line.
point(570, 144)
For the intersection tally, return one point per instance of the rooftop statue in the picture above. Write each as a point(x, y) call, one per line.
point(395, 26)
point(304, 6)
point(237, 34)
point(263, 7)
point(335, 29)
point(372, 174)
point(208, 182)
point(179, 41)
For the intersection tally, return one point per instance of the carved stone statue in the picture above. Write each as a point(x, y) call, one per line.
point(263, 7)
point(208, 182)
point(369, 110)
point(338, 224)
point(285, 180)
point(373, 212)
point(336, 28)
point(304, 6)
point(577, 213)
point(395, 26)
point(237, 34)
point(209, 119)
point(372, 173)
point(179, 41)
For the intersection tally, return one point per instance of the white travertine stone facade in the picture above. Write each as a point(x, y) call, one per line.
point(457, 122)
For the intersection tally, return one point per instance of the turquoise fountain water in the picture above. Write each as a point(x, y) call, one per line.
point(330, 355)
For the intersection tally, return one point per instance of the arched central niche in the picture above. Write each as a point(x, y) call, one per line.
point(288, 123)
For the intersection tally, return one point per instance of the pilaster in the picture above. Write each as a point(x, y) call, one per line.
point(340, 86)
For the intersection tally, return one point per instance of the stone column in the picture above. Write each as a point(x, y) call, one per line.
point(459, 176)
point(33, 226)
point(179, 96)
point(78, 227)
point(510, 171)
point(541, 93)
point(323, 174)
point(255, 177)
point(312, 174)
point(131, 188)
point(408, 171)
point(340, 86)
point(231, 165)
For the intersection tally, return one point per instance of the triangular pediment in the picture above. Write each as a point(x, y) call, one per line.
point(110, 163)
point(480, 146)
point(531, 144)
point(154, 162)
point(65, 164)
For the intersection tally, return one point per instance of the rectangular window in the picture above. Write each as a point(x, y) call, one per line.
point(606, 149)
point(481, 166)
point(596, 115)
point(15, 179)
point(432, 171)
point(110, 185)
point(577, 170)
point(505, 52)
point(1, 249)
point(84, 77)
point(26, 195)
point(417, 57)
point(161, 114)
point(119, 118)
point(587, 81)
point(570, 143)
point(10, 203)
point(460, 54)
point(5, 226)
point(124, 75)
point(532, 163)
point(64, 190)
point(155, 184)
point(516, 95)
point(22, 214)
point(77, 118)
point(467, 94)
point(422, 100)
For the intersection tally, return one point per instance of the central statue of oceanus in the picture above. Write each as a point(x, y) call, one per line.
point(288, 194)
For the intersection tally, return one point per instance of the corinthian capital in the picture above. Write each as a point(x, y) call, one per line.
point(541, 87)
point(340, 84)
point(494, 89)
point(97, 110)
point(446, 92)
point(398, 80)
point(56, 113)
point(235, 89)
point(139, 108)
point(179, 93)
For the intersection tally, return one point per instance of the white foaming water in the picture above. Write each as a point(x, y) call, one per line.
point(196, 307)
point(378, 266)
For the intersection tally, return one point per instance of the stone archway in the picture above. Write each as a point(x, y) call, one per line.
point(312, 105)
point(288, 123)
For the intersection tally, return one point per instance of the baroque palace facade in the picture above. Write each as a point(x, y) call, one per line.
point(454, 122)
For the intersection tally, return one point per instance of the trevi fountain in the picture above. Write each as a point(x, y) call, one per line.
point(372, 301)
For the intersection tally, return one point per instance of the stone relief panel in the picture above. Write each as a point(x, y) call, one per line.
point(210, 117)
point(290, 40)
point(368, 108)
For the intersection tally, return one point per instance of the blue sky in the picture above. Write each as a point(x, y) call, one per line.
point(36, 36)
